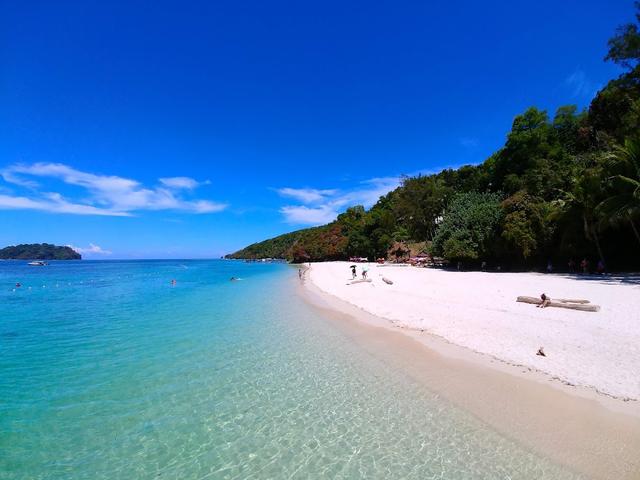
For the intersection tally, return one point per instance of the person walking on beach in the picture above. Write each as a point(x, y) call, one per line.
point(364, 272)
point(549, 267)
point(353, 272)
point(600, 268)
point(572, 265)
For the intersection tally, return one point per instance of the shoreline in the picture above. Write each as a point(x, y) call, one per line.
point(599, 434)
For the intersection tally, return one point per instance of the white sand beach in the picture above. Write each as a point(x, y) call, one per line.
point(478, 310)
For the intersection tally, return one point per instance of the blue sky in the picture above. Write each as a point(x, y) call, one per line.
point(186, 129)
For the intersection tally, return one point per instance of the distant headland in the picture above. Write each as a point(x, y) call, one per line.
point(38, 251)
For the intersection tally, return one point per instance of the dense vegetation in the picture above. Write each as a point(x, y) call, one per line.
point(562, 187)
point(38, 251)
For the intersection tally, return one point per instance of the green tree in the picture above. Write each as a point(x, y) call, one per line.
point(525, 227)
point(469, 226)
point(615, 111)
point(379, 227)
point(419, 203)
point(624, 47)
point(524, 161)
point(616, 108)
point(581, 202)
point(572, 129)
point(623, 203)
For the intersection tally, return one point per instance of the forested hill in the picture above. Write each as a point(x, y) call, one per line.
point(563, 186)
point(273, 248)
point(38, 251)
point(317, 243)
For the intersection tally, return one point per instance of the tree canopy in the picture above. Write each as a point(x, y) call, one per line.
point(624, 47)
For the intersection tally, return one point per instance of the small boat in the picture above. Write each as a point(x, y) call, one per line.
point(38, 263)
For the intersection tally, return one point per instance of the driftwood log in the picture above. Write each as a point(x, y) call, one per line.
point(387, 281)
point(568, 300)
point(366, 280)
point(573, 306)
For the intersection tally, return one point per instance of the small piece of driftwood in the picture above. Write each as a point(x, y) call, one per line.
point(572, 306)
point(387, 281)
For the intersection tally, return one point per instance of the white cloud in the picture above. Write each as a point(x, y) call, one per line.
point(469, 142)
point(204, 206)
point(185, 183)
point(306, 195)
point(55, 204)
point(108, 194)
point(580, 85)
point(92, 249)
point(9, 177)
point(304, 215)
point(373, 190)
point(324, 207)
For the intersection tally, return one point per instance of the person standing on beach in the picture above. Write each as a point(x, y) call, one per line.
point(353, 272)
point(584, 264)
point(364, 272)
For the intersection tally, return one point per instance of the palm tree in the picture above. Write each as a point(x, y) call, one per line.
point(581, 203)
point(624, 203)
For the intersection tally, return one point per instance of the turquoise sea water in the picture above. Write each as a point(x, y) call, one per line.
point(109, 372)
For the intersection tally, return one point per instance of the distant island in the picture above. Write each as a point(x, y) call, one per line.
point(563, 190)
point(39, 251)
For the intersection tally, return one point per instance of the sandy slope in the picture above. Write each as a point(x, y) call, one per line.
point(477, 310)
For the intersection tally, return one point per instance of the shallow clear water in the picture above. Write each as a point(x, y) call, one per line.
point(108, 371)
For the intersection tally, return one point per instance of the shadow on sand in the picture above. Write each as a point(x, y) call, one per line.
point(607, 279)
